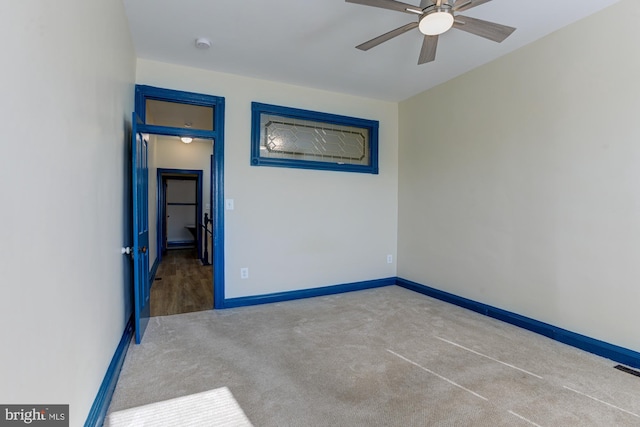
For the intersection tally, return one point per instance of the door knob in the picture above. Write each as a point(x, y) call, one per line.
point(143, 249)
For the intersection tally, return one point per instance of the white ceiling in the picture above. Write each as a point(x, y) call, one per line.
point(312, 42)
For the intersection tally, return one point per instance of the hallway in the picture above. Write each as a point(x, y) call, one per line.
point(182, 285)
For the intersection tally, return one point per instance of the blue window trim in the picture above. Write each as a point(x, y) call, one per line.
point(295, 113)
point(143, 93)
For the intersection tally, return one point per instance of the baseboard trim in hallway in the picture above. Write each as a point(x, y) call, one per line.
point(592, 345)
point(100, 405)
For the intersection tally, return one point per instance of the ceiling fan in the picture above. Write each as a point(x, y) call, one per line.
point(435, 17)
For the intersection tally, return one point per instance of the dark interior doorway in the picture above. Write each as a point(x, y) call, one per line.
point(180, 207)
point(183, 281)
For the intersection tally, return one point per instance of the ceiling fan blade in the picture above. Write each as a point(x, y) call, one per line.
point(486, 29)
point(387, 4)
point(428, 51)
point(462, 5)
point(387, 36)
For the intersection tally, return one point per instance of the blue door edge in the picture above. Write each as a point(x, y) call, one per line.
point(140, 225)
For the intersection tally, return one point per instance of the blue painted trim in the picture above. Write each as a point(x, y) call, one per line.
point(308, 293)
point(592, 345)
point(180, 243)
point(140, 211)
point(189, 174)
point(192, 172)
point(217, 204)
point(100, 405)
point(169, 131)
point(295, 113)
point(143, 93)
point(154, 270)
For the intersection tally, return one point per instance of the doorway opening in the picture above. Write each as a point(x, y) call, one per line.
point(186, 197)
point(184, 277)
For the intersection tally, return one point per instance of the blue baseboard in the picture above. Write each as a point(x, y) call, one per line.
point(100, 405)
point(307, 293)
point(181, 244)
point(154, 270)
point(592, 345)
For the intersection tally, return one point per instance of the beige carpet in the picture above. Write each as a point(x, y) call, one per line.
point(382, 357)
point(214, 408)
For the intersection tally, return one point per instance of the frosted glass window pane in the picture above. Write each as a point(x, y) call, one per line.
point(178, 115)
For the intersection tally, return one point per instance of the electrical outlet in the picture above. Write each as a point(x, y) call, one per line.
point(244, 273)
point(389, 259)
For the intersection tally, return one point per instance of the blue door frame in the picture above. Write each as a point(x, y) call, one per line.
point(186, 174)
point(144, 93)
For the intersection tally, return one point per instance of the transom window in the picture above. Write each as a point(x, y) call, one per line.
point(289, 137)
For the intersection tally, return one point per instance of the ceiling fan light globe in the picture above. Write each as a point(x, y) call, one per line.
point(436, 23)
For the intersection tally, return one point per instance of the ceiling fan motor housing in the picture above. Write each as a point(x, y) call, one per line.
point(444, 6)
point(436, 19)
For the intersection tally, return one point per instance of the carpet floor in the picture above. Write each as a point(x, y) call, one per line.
point(380, 357)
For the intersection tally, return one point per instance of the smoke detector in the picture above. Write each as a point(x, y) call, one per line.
point(203, 43)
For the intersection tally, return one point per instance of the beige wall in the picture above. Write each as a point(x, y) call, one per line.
point(174, 154)
point(67, 95)
point(296, 229)
point(520, 181)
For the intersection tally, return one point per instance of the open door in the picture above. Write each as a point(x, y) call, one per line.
point(140, 253)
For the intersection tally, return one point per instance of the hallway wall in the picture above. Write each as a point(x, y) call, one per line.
point(67, 95)
point(174, 154)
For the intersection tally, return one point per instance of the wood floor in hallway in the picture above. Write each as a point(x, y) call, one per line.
point(182, 284)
